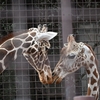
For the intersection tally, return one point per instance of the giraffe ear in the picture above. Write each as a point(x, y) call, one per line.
point(46, 36)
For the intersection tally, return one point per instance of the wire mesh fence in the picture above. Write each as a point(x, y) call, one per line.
point(86, 26)
point(20, 81)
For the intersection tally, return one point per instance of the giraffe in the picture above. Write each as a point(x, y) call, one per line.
point(73, 56)
point(38, 58)
point(33, 40)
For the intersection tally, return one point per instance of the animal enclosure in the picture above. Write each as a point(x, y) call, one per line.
point(80, 17)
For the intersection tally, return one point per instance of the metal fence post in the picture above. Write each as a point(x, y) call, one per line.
point(66, 30)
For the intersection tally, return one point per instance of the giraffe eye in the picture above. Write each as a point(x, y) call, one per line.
point(74, 45)
point(71, 56)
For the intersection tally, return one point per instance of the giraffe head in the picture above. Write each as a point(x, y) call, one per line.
point(37, 56)
point(73, 56)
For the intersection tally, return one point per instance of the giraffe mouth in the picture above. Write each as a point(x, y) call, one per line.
point(56, 78)
point(45, 79)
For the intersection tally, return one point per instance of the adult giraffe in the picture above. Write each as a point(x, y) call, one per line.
point(73, 56)
point(34, 41)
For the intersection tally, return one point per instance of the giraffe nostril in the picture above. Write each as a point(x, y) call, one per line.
point(48, 78)
point(53, 74)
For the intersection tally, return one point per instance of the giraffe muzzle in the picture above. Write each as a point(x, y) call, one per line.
point(45, 79)
point(56, 78)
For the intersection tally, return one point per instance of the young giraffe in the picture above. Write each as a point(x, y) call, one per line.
point(73, 56)
point(31, 41)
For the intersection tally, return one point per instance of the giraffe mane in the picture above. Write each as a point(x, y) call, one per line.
point(3, 39)
point(11, 35)
point(96, 61)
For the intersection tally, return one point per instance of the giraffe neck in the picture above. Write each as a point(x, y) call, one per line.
point(93, 83)
point(10, 48)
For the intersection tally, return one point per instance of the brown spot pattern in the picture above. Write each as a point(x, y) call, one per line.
point(7, 45)
point(95, 88)
point(16, 42)
point(91, 58)
point(29, 39)
point(30, 60)
point(2, 53)
point(78, 64)
point(95, 73)
point(34, 54)
point(96, 61)
point(91, 65)
point(47, 62)
point(85, 64)
point(26, 45)
point(36, 46)
point(93, 81)
point(82, 59)
point(82, 51)
point(88, 71)
point(33, 34)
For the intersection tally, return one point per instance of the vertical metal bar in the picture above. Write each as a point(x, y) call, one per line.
point(66, 30)
point(19, 23)
point(66, 19)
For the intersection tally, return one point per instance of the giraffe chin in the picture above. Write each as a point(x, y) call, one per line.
point(56, 79)
point(45, 79)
